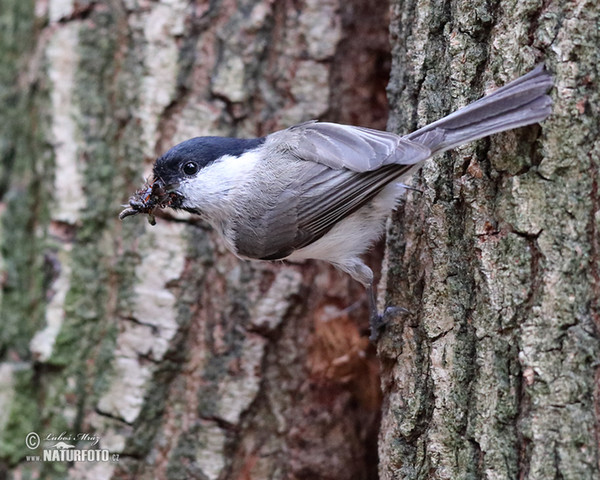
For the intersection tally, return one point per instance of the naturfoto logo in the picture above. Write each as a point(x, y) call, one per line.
point(68, 447)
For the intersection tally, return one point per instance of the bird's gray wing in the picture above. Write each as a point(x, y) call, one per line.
point(353, 148)
point(308, 208)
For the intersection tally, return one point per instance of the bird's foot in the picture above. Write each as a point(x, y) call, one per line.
point(379, 321)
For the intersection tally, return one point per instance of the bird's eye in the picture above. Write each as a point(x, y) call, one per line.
point(190, 168)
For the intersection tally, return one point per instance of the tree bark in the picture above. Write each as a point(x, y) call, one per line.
point(494, 374)
point(188, 363)
point(184, 361)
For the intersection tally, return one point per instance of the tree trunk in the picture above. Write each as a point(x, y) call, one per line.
point(494, 374)
point(184, 361)
point(188, 363)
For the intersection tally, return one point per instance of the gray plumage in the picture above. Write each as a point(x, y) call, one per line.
point(322, 190)
point(341, 168)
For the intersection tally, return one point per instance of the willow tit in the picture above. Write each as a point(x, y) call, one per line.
point(322, 190)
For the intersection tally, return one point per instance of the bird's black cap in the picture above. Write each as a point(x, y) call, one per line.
point(201, 150)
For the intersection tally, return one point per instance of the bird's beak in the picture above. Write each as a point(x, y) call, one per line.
point(172, 188)
point(167, 193)
point(167, 187)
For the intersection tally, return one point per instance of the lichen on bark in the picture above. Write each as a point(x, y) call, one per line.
point(494, 372)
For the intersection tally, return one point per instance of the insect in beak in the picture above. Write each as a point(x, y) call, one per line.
point(148, 199)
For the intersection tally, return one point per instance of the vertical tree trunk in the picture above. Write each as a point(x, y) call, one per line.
point(188, 363)
point(495, 372)
point(184, 361)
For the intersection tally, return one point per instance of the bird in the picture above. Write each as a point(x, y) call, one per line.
point(321, 190)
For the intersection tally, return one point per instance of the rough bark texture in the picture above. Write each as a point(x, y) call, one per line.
point(495, 373)
point(190, 364)
point(183, 360)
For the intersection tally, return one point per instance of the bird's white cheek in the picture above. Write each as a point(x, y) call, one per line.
point(203, 193)
point(210, 189)
point(188, 195)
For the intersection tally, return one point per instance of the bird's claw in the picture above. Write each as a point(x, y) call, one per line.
point(379, 321)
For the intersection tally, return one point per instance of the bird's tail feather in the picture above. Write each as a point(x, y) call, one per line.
point(521, 102)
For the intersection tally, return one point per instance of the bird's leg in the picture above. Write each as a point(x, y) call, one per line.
point(378, 321)
point(363, 274)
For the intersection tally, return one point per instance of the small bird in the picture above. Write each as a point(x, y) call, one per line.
point(322, 190)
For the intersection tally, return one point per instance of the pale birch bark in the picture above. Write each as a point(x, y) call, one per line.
point(185, 361)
